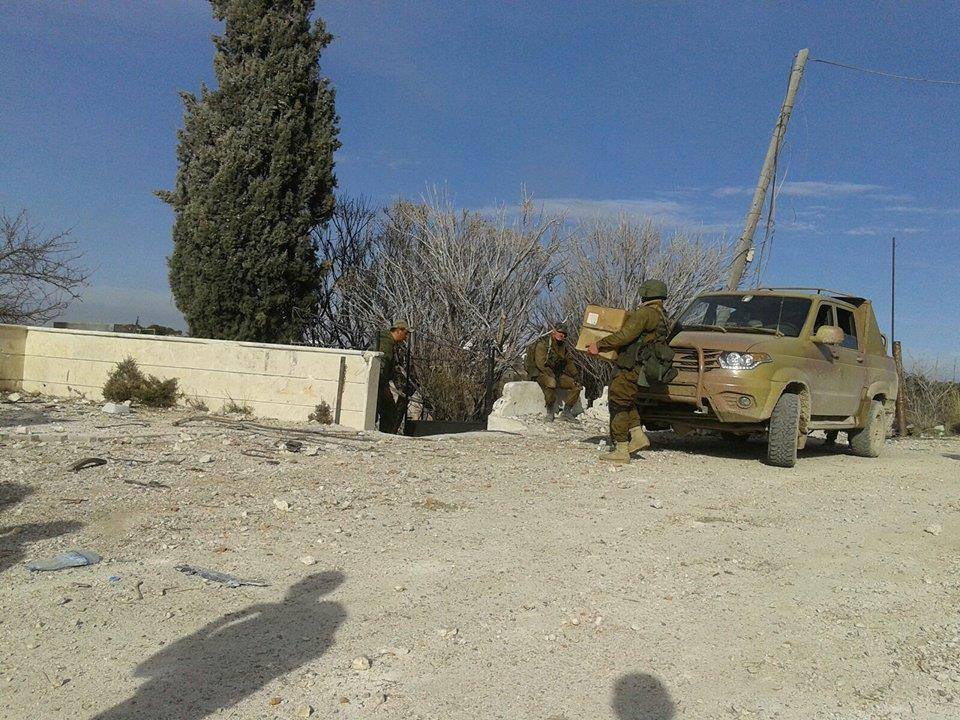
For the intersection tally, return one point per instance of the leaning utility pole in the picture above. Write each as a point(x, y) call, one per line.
point(744, 250)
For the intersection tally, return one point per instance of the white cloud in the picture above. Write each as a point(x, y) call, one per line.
point(662, 212)
point(919, 210)
point(808, 188)
point(868, 230)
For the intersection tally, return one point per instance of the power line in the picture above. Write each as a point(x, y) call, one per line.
point(912, 78)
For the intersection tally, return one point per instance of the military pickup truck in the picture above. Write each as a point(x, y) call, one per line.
point(782, 360)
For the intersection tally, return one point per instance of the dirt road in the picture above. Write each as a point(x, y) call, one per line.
point(485, 576)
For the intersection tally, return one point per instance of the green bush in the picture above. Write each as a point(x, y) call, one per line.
point(127, 382)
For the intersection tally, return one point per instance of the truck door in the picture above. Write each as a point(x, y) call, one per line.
point(850, 362)
point(826, 395)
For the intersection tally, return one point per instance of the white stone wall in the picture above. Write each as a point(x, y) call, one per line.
point(276, 381)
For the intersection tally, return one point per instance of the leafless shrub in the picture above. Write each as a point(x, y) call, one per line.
point(345, 249)
point(931, 400)
point(39, 274)
point(466, 284)
point(607, 261)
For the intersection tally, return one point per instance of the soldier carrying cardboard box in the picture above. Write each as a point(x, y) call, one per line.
point(643, 357)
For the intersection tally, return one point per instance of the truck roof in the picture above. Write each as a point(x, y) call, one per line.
point(806, 292)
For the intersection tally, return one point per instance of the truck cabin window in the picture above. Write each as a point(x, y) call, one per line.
point(767, 314)
point(848, 323)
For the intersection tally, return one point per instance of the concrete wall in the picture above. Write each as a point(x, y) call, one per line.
point(276, 381)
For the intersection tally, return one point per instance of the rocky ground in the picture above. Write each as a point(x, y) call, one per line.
point(481, 576)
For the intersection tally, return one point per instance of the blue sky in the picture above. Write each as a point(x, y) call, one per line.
point(660, 108)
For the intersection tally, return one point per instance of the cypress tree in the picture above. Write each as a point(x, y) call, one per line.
point(255, 176)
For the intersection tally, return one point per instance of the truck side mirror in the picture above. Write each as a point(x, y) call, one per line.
point(828, 335)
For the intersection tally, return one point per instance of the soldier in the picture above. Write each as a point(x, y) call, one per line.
point(550, 362)
point(642, 357)
point(388, 415)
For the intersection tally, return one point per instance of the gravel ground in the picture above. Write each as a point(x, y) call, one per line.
point(478, 576)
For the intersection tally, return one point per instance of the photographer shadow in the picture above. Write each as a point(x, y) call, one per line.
point(234, 656)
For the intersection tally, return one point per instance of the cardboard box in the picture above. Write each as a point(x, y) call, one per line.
point(598, 322)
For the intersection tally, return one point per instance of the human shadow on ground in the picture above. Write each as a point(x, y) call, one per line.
point(12, 417)
point(15, 538)
point(234, 656)
point(639, 696)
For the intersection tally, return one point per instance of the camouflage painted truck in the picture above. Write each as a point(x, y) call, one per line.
point(782, 360)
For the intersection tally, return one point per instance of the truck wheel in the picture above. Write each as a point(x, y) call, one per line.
point(784, 430)
point(868, 440)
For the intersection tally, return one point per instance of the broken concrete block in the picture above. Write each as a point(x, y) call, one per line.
point(600, 410)
point(116, 408)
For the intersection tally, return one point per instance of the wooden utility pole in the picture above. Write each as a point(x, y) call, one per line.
point(744, 250)
point(901, 406)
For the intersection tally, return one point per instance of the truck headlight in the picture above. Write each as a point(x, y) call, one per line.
point(742, 361)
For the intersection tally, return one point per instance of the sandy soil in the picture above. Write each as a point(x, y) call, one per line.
point(482, 576)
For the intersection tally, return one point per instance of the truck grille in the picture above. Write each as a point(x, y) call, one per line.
point(685, 360)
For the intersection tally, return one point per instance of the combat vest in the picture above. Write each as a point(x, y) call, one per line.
point(555, 361)
point(650, 355)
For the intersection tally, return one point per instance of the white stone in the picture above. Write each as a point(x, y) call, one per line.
point(281, 505)
point(116, 408)
point(308, 560)
point(934, 529)
point(600, 410)
point(361, 663)
point(14, 397)
point(205, 459)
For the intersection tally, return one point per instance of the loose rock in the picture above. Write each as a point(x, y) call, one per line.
point(934, 529)
point(361, 662)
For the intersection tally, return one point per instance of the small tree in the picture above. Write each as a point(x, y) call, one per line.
point(255, 177)
point(39, 272)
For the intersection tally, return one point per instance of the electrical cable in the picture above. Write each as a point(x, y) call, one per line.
point(911, 78)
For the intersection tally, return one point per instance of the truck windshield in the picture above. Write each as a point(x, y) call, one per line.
point(770, 314)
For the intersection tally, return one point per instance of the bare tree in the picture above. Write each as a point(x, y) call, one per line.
point(607, 261)
point(39, 272)
point(931, 398)
point(345, 249)
point(467, 284)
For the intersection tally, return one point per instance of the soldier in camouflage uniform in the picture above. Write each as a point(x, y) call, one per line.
point(550, 363)
point(644, 327)
point(388, 412)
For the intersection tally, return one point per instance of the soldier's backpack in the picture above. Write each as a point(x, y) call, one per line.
point(651, 355)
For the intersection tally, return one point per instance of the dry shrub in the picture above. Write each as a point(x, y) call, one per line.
point(127, 382)
point(931, 401)
point(321, 414)
point(235, 408)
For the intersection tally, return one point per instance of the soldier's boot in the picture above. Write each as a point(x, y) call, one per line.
point(638, 440)
point(620, 454)
point(567, 414)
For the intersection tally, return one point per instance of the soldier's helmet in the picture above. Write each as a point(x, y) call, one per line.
point(653, 290)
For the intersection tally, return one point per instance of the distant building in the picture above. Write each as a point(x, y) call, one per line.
point(131, 328)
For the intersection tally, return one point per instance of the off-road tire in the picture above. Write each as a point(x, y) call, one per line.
point(784, 430)
point(868, 441)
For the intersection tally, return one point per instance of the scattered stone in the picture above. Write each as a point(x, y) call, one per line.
point(205, 459)
point(14, 397)
point(308, 560)
point(934, 529)
point(361, 662)
point(116, 408)
point(275, 701)
point(312, 451)
point(304, 710)
point(281, 505)
point(656, 504)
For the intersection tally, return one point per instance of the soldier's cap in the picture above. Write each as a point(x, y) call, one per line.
point(653, 289)
point(400, 325)
point(560, 327)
